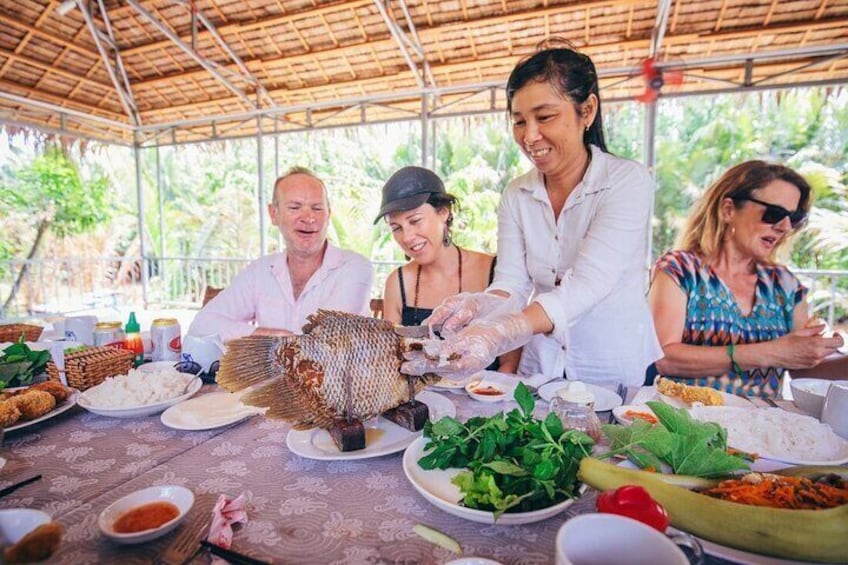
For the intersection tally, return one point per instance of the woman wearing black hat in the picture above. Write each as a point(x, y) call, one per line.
point(572, 243)
point(420, 213)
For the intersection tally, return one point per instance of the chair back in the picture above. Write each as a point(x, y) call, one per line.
point(210, 293)
point(377, 307)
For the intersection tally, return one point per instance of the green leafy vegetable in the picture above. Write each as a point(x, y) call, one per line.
point(689, 447)
point(514, 462)
point(19, 364)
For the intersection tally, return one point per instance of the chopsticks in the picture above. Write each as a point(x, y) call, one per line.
point(16, 486)
point(231, 556)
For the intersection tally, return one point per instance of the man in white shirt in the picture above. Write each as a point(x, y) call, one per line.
point(275, 293)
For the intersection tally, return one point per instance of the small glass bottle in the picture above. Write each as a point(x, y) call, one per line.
point(133, 340)
point(575, 406)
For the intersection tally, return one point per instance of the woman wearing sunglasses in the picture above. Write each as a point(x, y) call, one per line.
point(727, 313)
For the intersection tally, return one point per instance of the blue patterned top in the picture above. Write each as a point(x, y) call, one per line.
point(713, 317)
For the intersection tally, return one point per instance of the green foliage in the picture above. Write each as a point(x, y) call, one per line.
point(515, 462)
point(51, 189)
point(688, 447)
point(19, 364)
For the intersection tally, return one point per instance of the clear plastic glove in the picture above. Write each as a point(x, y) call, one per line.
point(456, 312)
point(472, 349)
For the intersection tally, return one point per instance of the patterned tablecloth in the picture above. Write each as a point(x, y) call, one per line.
point(300, 510)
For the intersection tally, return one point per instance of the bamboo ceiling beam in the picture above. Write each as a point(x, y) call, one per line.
point(61, 102)
point(431, 33)
point(238, 27)
point(47, 67)
point(440, 70)
point(62, 41)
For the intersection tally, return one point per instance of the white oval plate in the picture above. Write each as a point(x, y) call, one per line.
point(69, 403)
point(451, 384)
point(768, 421)
point(180, 497)
point(317, 443)
point(729, 400)
point(740, 556)
point(145, 410)
point(436, 486)
point(604, 399)
point(207, 412)
point(15, 523)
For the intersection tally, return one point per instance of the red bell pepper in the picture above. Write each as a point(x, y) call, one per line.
point(634, 502)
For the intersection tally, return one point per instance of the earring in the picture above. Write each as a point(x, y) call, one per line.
point(446, 237)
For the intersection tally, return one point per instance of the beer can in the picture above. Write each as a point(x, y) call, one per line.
point(109, 333)
point(165, 339)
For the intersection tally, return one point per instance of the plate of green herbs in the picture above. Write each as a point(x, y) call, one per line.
point(507, 469)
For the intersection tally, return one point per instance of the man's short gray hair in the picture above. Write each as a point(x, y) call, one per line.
point(298, 170)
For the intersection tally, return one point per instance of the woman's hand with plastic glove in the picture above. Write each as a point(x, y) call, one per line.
point(456, 312)
point(472, 349)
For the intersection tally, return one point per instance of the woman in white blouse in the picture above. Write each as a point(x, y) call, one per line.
point(572, 237)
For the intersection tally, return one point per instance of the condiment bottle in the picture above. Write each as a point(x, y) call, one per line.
point(133, 340)
point(575, 406)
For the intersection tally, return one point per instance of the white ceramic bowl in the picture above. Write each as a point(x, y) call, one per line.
point(180, 497)
point(809, 394)
point(491, 380)
point(15, 523)
point(156, 366)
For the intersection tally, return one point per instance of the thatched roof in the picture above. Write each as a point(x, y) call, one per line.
point(181, 70)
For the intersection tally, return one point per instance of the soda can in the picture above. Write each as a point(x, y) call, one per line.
point(109, 333)
point(165, 340)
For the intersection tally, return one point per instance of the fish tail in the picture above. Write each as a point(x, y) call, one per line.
point(250, 360)
point(285, 402)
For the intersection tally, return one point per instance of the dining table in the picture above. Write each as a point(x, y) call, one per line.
point(300, 510)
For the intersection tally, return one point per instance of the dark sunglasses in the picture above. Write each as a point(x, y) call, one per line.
point(774, 213)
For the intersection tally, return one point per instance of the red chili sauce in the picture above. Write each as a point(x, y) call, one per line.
point(146, 517)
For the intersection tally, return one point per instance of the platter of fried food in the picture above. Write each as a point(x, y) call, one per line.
point(26, 406)
point(681, 395)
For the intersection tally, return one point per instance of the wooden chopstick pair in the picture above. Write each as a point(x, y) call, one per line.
point(19, 484)
point(231, 556)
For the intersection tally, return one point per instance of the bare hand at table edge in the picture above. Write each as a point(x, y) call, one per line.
point(272, 332)
point(805, 348)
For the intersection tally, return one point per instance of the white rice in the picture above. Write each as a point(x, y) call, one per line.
point(137, 388)
point(775, 432)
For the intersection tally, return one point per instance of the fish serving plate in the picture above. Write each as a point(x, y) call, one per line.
point(382, 437)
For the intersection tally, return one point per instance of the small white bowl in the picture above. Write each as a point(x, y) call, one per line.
point(474, 386)
point(809, 394)
point(180, 497)
point(492, 380)
point(15, 523)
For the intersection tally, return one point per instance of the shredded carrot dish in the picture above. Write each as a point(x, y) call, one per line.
point(796, 493)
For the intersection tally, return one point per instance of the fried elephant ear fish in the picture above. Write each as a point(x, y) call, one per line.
point(341, 362)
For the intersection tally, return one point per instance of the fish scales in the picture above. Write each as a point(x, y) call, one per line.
point(302, 378)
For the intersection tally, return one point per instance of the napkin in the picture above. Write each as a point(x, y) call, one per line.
point(227, 511)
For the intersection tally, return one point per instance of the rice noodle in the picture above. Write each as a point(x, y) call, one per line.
point(775, 432)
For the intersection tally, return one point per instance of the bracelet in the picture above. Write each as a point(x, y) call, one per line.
point(737, 370)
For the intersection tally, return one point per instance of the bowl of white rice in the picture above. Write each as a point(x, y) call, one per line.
point(140, 393)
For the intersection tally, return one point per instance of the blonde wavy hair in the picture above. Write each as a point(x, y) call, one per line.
point(705, 231)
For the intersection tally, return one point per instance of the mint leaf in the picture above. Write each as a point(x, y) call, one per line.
point(524, 399)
